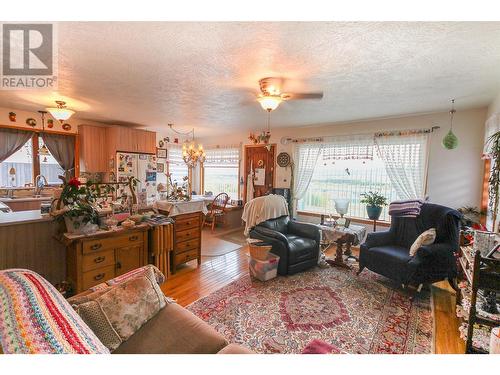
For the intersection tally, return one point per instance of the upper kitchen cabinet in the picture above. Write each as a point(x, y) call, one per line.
point(93, 156)
point(130, 140)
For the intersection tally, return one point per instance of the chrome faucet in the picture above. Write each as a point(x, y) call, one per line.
point(40, 183)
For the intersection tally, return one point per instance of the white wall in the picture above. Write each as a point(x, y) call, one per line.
point(454, 177)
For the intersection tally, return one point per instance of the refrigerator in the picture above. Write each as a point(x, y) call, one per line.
point(142, 167)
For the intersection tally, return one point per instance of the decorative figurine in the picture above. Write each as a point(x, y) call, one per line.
point(31, 122)
point(12, 116)
point(50, 123)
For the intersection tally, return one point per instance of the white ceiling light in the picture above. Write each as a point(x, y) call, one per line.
point(61, 113)
point(269, 102)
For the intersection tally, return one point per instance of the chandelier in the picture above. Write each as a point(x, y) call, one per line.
point(192, 153)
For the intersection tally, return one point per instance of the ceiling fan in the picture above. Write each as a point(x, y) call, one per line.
point(271, 93)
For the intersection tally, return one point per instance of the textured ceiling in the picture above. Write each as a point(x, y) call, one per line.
point(205, 75)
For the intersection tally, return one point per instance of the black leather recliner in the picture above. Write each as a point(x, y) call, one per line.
point(387, 253)
point(297, 244)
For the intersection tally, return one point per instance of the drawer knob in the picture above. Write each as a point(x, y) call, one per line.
point(96, 246)
point(133, 238)
point(99, 259)
point(99, 276)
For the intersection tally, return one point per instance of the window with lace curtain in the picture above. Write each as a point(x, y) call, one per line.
point(221, 171)
point(176, 166)
point(393, 165)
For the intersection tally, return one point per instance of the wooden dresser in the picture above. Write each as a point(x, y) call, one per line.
point(187, 239)
point(94, 259)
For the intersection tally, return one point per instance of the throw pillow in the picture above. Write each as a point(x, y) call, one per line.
point(426, 238)
point(117, 314)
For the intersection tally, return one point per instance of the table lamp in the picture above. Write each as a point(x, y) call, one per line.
point(341, 206)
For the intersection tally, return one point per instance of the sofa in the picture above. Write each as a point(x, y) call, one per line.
point(387, 253)
point(297, 244)
point(37, 319)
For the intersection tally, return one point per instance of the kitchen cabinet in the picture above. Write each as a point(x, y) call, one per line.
point(93, 156)
point(130, 140)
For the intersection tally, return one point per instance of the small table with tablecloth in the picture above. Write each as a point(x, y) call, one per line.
point(344, 238)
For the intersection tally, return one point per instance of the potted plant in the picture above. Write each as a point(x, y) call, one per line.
point(493, 146)
point(78, 206)
point(374, 204)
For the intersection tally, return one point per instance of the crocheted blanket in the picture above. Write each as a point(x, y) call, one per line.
point(36, 319)
point(406, 208)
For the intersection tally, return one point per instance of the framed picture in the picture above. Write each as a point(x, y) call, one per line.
point(161, 153)
point(160, 167)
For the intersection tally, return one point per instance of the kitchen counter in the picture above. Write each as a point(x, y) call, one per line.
point(27, 199)
point(23, 217)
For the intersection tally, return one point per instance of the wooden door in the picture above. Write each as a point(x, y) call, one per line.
point(127, 259)
point(260, 157)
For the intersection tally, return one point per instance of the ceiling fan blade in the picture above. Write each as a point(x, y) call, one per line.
point(299, 96)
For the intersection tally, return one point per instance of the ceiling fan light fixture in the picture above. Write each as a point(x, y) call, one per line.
point(269, 102)
point(61, 112)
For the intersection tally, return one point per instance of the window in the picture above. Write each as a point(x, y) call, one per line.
point(176, 166)
point(25, 166)
point(49, 167)
point(221, 171)
point(346, 168)
point(21, 164)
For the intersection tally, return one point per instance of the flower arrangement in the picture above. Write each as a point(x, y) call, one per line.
point(178, 192)
point(261, 138)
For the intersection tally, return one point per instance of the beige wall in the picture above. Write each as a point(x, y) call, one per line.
point(454, 176)
point(494, 107)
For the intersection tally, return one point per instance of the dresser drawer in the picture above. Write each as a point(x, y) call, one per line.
point(185, 257)
point(188, 234)
point(98, 259)
point(100, 275)
point(187, 223)
point(186, 245)
point(129, 239)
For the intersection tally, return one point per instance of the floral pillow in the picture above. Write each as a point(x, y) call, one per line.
point(122, 310)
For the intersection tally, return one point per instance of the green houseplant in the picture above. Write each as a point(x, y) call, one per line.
point(493, 146)
point(374, 204)
point(79, 208)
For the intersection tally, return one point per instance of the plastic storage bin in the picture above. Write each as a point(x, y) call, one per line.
point(264, 270)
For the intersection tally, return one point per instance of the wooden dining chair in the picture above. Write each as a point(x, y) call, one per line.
point(217, 210)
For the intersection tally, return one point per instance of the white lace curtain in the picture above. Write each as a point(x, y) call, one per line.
point(405, 160)
point(306, 157)
point(222, 156)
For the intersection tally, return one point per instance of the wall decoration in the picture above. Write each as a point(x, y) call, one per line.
point(161, 153)
point(66, 127)
point(166, 139)
point(12, 116)
point(50, 123)
point(161, 143)
point(283, 159)
point(450, 140)
point(160, 167)
point(176, 140)
point(261, 138)
point(31, 122)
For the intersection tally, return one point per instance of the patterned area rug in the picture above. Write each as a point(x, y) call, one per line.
point(354, 314)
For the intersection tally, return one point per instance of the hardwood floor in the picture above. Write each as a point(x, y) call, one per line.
point(191, 283)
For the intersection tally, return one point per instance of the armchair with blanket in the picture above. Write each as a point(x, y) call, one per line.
point(387, 253)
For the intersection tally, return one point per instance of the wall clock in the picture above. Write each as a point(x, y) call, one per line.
point(283, 159)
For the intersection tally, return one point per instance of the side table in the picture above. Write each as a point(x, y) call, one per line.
point(344, 238)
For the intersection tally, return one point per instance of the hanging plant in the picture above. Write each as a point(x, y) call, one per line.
point(493, 145)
